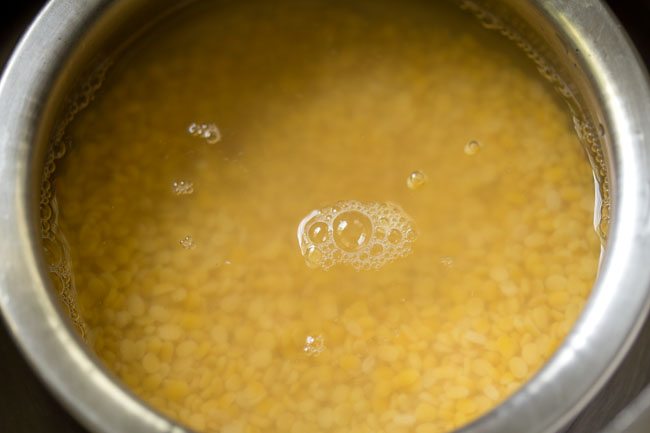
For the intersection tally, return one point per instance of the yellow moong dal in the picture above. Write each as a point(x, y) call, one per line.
point(216, 134)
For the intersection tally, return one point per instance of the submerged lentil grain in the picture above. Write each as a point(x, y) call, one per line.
point(215, 334)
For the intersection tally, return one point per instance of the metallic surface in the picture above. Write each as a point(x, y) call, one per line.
point(612, 83)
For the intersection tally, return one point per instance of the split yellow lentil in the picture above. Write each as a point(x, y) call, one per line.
point(212, 137)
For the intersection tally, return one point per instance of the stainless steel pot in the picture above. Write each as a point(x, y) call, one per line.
point(608, 91)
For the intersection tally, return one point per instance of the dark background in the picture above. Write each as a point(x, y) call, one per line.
point(27, 407)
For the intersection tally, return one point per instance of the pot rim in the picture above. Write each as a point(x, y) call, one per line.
point(594, 348)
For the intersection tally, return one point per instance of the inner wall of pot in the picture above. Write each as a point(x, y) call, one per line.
point(110, 30)
point(121, 22)
point(560, 63)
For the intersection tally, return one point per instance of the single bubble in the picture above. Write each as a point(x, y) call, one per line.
point(394, 236)
point(376, 249)
point(318, 232)
point(352, 230)
point(603, 229)
point(58, 282)
point(313, 257)
point(53, 251)
point(564, 89)
point(380, 233)
point(314, 346)
point(491, 22)
point(187, 242)
point(213, 136)
point(416, 180)
point(547, 72)
point(472, 147)
point(411, 235)
point(46, 212)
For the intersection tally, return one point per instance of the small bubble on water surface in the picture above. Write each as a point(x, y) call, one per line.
point(181, 187)
point(314, 346)
point(187, 242)
point(208, 131)
point(472, 147)
point(447, 261)
point(416, 180)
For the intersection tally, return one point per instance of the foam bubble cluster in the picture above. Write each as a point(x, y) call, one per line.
point(187, 242)
point(364, 235)
point(314, 346)
point(209, 131)
point(181, 187)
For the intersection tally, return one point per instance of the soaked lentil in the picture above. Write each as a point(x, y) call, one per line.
point(214, 136)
